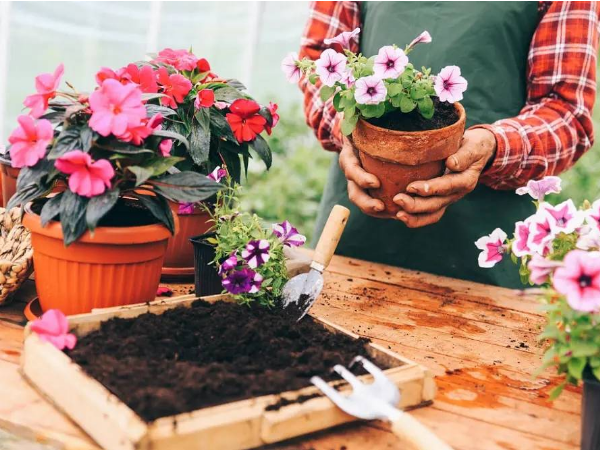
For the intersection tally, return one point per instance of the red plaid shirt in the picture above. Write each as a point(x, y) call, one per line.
point(554, 128)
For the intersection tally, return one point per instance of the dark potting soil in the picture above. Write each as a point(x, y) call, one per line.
point(445, 114)
point(209, 354)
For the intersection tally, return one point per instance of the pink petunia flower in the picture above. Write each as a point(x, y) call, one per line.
point(218, 174)
point(541, 268)
point(256, 253)
point(290, 68)
point(520, 246)
point(180, 59)
point(185, 209)
point(343, 38)
point(174, 86)
point(87, 178)
point(29, 141)
point(370, 90)
point(116, 107)
point(330, 67)
point(348, 78)
point(492, 248)
point(53, 327)
point(390, 62)
point(541, 233)
point(538, 189)
point(564, 217)
point(288, 234)
point(589, 238)
point(423, 38)
point(579, 280)
point(592, 215)
point(449, 85)
point(46, 85)
point(204, 99)
point(165, 147)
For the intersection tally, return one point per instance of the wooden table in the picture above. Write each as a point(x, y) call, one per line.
point(480, 341)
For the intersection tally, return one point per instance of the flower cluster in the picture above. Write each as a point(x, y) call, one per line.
point(250, 257)
point(371, 87)
point(559, 249)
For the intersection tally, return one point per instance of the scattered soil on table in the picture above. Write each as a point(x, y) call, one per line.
point(190, 358)
point(445, 114)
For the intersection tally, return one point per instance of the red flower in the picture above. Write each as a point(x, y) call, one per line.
point(143, 77)
point(203, 65)
point(175, 87)
point(273, 110)
point(205, 99)
point(244, 120)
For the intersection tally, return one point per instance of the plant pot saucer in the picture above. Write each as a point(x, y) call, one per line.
point(33, 309)
point(177, 273)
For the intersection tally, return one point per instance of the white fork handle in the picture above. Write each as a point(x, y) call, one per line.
point(414, 435)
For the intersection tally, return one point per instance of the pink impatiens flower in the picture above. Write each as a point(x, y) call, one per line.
point(330, 67)
point(116, 107)
point(423, 38)
point(164, 291)
point(492, 248)
point(370, 90)
point(165, 147)
point(137, 134)
point(343, 38)
point(87, 178)
point(217, 174)
point(29, 141)
point(204, 99)
point(180, 59)
point(540, 268)
point(390, 62)
point(174, 86)
point(449, 85)
point(290, 68)
point(53, 327)
point(538, 189)
point(520, 246)
point(564, 217)
point(579, 280)
point(46, 85)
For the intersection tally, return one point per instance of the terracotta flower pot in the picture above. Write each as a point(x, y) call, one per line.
point(9, 180)
point(116, 266)
point(398, 158)
point(179, 259)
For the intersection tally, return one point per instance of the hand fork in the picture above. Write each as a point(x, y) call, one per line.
point(378, 400)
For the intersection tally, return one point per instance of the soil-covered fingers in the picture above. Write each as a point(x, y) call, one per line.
point(421, 205)
point(449, 184)
point(350, 165)
point(420, 220)
point(364, 201)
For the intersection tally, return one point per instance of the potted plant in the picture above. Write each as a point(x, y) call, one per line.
point(404, 122)
point(558, 249)
point(101, 240)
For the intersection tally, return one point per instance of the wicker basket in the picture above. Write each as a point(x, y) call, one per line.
point(16, 253)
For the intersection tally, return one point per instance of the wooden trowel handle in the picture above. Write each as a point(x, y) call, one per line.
point(331, 235)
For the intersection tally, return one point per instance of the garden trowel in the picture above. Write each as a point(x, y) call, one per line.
point(302, 291)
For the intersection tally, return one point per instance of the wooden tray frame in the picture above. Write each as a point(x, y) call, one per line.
point(236, 425)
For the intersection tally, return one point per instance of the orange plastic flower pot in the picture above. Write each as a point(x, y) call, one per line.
point(9, 181)
point(115, 266)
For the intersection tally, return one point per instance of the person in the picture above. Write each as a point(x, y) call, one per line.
point(531, 69)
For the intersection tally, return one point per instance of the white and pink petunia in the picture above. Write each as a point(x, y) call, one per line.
point(564, 217)
point(492, 248)
point(592, 215)
point(370, 90)
point(541, 268)
point(390, 62)
point(256, 253)
point(541, 234)
point(579, 280)
point(348, 78)
point(538, 189)
point(344, 38)
point(449, 85)
point(218, 174)
point(290, 68)
point(520, 245)
point(589, 238)
point(330, 67)
point(423, 38)
point(288, 234)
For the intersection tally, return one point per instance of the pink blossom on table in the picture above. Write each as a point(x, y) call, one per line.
point(579, 280)
point(492, 248)
point(29, 141)
point(221, 105)
point(541, 233)
point(53, 327)
point(218, 174)
point(204, 99)
point(343, 38)
point(330, 67)
point(164, 291)
point(229, 264)
point(180, 59)
point(564, 217)
point(589, 238)
point(423, 38)
point(116, 107)
point(185, 209)
point(592, 215)
point(87, 177)
point(165, 147)
point(541, 268)
point(174, 86)
point(348, 78)
point(244, 281)
point(137, 134)
point(290, 68)
point(449, 85)
point(370, 90)
point(46, 85)
point(390, 62)
point(538, 189)
point(288, 234)
point(520, 245)
point(256, 253)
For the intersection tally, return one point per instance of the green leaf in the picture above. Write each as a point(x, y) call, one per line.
point(26, 194)
point(583, 349)
point(426, 107)
point(394, 89)
point(40, 174)
point(348, 124)
point(313, 77)
point(261, 147)
point(236, 84)
point(160, 165)
point(554, 393)
point(51, 209)
point(69, 139)
point(141, 174)
point(172, 135)
point(152, 110)
point(159, 208)
point(55, 117)
point(203, 118)
point(417, 93)
point(199, 144)
point(86, 137)
point(185, 187)
point(72, 216)
point(124, 148)
point(221, 126)
point(575, 367)
point(99, 206)
point(337, 102)
point(227, 94)
point(326, 92)
point(406, 104)
point(369, 111)
point(146, 96)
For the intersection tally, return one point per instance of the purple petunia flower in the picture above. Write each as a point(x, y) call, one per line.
point(370, 90)
point(256, 253)
point(229, 264)
point(245, 281)
point(330, 67)
point(390, 62)
point(185, 208)
point(288, 235)
point(217, 174)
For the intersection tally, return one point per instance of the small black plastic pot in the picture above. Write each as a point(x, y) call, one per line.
point(590, 412)
point(206, 279)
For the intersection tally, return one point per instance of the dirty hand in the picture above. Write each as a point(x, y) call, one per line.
point(426, 201)
point(359, 181)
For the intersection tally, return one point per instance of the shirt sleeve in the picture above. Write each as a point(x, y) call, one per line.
point(326, 20)
point(555, 127)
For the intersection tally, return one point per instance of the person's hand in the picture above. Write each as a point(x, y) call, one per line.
point(426, 201)
point(359, 181)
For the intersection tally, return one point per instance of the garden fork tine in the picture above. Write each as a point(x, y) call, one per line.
point(378, 400)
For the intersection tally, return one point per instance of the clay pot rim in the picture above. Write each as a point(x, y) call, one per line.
point(102, 235)
point(461, 120)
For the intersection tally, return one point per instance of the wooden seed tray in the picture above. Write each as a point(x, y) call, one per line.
point(235, 425)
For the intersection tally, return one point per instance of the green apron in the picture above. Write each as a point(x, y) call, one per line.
point(489, 41)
